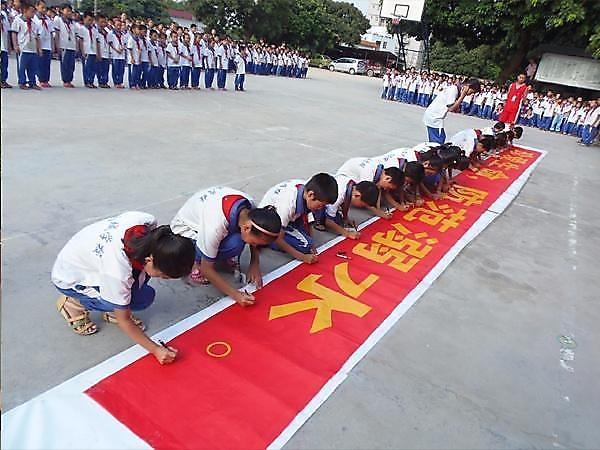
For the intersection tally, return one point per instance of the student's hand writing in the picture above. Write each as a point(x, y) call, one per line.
point(165, 355)
point(352, 234)
point(244, 299)
point(404, 207)
point(419, 201)
point(309, 258)
point(387, 215)
point(255, 276)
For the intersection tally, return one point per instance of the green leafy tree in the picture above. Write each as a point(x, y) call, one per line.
point(153, 9)
point(517, 27)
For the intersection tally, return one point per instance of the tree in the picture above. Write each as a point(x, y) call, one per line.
point(231, 16)
point(517, 27)
point(153, 9)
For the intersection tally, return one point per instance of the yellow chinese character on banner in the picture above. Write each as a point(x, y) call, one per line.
point(401, 247)
point(503, 163)
point(515, 159)
point(465, 195)
point(490, 174)
point(521, 153)
point(442, 215)
point(328, 300)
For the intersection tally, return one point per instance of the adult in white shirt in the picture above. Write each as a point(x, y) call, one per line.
point(221, 221)
point(27, 48)
point(438, 109)
point(106, 267)
point(46, 28)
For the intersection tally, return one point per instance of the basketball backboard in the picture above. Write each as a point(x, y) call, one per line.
point(402, 9)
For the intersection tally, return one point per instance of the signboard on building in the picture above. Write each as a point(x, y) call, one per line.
point(569, 70)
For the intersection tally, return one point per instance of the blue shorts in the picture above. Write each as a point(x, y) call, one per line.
point(436, 135)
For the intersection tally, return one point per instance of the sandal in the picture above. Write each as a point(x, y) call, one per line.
point(81, 324)
point(110, 318)
point(196, 277)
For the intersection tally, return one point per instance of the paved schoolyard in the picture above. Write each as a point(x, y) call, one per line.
point(474, 364)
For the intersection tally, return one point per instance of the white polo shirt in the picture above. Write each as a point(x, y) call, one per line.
point(393, 157)
point(95, 257)
point(89, 36)
point(359, 169)
point(117, 45)
point(240, 65)
point(46, 28)
point(27, 35)
point(173, 52)
point(466, 140)
point(184, 51)
point(342, 184)
point(134, 50)
point(283, 197)
point(203, 220)
point(103, 41)
point(4, 45)
point(438, 109)
point(66, 33)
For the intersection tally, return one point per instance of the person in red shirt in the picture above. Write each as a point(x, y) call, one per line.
point(516, 94)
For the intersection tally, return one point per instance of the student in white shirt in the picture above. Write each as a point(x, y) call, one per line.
point(221, 221)
point(134, 50)
point(5, 46)
point(473, 143)
point(46, 28)
point(444, 102)
point(106, 267)
point(173, 62)
point(386, 84)
point(590, 124)
point(294, 200)
point(103, 60)
point(144, 57)
point(27, 47)
point(161, 51)
point(196, 61)
point(209, 65)
point(572, 119)
point(88, 38)
point(154, 63)
point(65, 42)
point(185, 51)
point(240, 69)
point(548, 112)
point(222, 65)
point(118, 53)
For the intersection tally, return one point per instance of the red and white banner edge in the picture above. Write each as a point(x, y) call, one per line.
point(64, 417)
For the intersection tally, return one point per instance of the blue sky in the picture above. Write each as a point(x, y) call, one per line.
point(363, 5)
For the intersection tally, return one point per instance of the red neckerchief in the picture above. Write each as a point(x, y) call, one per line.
point(29, 26)
point(134, 232)
point(67, 23)
point(45, 25)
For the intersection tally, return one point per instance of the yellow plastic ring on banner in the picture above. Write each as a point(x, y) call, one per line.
point(209, 348)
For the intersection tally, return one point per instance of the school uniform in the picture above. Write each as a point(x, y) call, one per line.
point(288, 199)
point(537, 113)
point(240, 72)
point(477, 104)
point(66, 39)
point(94, 269)
point(581, 115)
point(362, 169)
point(173, 64)
point(547, 114)
point(145, 62)
point(117, 46)
point(398, 157)
point(489, 105)
point(196, 51)
point(222, 64)
point(46, 28)
point(186, 65)
point(393, 86)
point(386, 86)
point(210, 218)
point(437, 111)
point(103, 65)
point(4, 46)
point(465, 106)
point(466, 140)
point(566, 112)
point(571, 120)
point(89, 39)
point(210, 64)
point(134, 51)
point(590, 128)
point(412, 91)
point(27, 38)
point(162, 65)
point(338, 210)
point(154, 64)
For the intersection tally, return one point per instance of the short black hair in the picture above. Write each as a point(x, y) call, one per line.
point(324, 187)
point(266, 218)
point(414, 170)
point(436, 162)
point(369, 193)
point(462, 163)
point(518, 132)
point(489, 141)
point(396, 174)
point(474, 84)
point(499, 126)
point(88, 14)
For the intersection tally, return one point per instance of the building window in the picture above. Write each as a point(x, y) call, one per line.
point(384, 45)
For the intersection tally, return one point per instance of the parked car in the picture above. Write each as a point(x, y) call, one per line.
point(320, 61)
point(349, 65)
point(374, 69)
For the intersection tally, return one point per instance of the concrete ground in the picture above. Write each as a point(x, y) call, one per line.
point(476, 363)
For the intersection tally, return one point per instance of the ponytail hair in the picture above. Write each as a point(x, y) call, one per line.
point(172, 254)
point(265, 222)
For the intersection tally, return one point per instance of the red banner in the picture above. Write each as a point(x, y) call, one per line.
point(243, 375)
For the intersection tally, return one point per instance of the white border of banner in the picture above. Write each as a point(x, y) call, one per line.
point(64, 417)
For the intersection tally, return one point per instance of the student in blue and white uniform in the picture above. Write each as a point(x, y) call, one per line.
point(173, 62)
point(221, 221)
point(46, 30)
point(118, 48)
point(103, 60)
point(65, 42)
point(27, 47)
point(240, 69)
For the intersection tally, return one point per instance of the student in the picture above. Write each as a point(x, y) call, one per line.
point(590, 124)
point(446, 101)
point(153, 48)
point(117, 45)
point(134, 49)
point(222, 54)
point(173, 62)
point(360, 195)
point(388, 179)
point(65, 41)
point(185, 51)
point(103, 60)
point(240, 69)
point(144, 56)
point(221, 221)
point(196, 62)
point(293, 201)
point(548, 112)
point(46, 28)
point(473, 143)
point(386, 84)
point(433, 179)
point(414, 172)
point(27, 47)
point(209, 64)
point(90, 49)
point(106, 267)
point(161, 52)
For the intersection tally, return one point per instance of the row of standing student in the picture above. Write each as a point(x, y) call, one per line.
point(107, 265)
point(147, 55)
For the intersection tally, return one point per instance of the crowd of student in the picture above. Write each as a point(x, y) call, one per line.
point(106, 266)
point(149, 53)
point(546, 111)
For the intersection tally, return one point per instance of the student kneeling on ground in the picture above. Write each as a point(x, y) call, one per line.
point(106, 267)
point(222, 221)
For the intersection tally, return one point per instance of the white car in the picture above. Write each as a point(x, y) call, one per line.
point(349, 65)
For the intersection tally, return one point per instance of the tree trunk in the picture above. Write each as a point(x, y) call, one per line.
point(517, 58)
